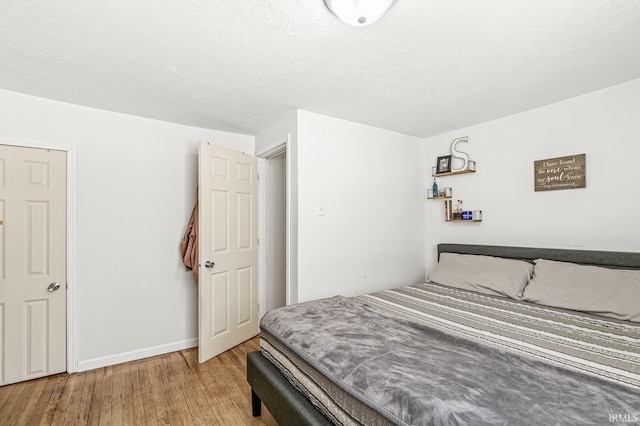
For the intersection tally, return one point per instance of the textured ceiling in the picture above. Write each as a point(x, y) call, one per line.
point(239, 65)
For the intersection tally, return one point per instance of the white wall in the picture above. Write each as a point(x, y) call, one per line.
point(136, 188)
point(370, 181)
point(603, 216)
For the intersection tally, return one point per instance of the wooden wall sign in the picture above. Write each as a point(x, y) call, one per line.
point(560, 173)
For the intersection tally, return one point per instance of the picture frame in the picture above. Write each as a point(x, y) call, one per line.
point(444, 164)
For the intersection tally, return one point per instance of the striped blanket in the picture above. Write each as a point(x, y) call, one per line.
point(593, 345)
point(428, 354)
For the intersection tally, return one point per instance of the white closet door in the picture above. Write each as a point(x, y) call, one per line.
point(32, 263)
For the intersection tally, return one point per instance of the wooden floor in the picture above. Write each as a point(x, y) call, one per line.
point(171, 389)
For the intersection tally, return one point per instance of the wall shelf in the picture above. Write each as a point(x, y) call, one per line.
point(457, 172)
point(448, 207)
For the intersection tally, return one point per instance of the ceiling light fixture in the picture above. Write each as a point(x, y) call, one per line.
point(359, 13)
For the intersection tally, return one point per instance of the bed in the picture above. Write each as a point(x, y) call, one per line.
point(433, 353)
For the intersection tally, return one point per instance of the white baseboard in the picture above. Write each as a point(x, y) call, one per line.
point(135, 355)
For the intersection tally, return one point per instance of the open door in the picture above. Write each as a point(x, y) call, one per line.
point(228, 249)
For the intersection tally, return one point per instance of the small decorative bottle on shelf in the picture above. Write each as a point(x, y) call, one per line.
point(435, 189)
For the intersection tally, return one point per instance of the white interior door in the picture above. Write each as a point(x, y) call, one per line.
point(32, 263)
point(228, 249)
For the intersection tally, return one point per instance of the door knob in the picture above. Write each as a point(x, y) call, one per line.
point(209, 264)
point(53, 287)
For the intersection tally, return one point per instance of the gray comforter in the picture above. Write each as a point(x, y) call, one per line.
point(428, 355)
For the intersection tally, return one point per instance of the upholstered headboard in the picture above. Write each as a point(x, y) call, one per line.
point(610, 259)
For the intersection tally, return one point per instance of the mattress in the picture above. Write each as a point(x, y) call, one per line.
point(429, 354)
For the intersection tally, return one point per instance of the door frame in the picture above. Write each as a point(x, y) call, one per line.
point(273, 149)
point(72, 239)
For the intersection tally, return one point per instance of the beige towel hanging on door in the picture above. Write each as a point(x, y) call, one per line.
point(189, 245)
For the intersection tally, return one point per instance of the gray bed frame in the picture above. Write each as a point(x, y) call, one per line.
point(289, 406)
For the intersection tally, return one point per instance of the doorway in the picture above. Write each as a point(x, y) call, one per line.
point(71, 239)
point(276, 245)
point(274, 227)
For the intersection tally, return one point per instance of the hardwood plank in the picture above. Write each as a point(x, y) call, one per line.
point(4, 396)
point(127, 392)
point(138, 413)
point(42, 402)
point(69, 400)
point(84, 398)
point(170, 389)
point(95, 402)
point(200, 389)
point(10, 399)
point(175, 371)
point(52, 405)
point(150, 409)
point(189, 399)
point(31, 401)
point(117, 400)
point(107, 395)
point(81, 386)
point(157, 383)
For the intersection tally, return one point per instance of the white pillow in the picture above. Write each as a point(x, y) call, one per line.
point(613, 293)
point(485, 274)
